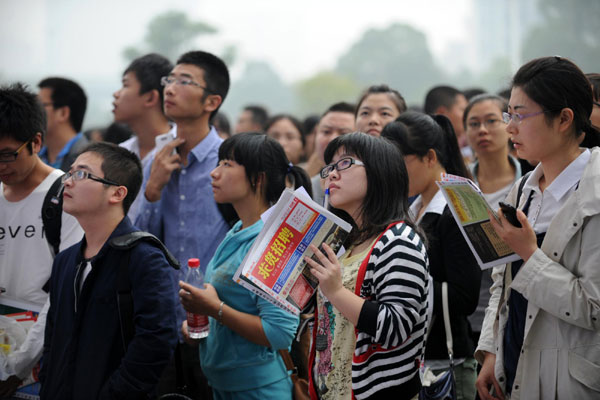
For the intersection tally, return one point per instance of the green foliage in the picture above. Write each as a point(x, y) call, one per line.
point(170, 34)
point(569, 29)
point(397, 55)
point(325, 88)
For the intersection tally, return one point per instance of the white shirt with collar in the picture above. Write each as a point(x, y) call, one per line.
point(436, 206)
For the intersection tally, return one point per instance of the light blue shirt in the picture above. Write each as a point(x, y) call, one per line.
point(186, 217)
point(43, 154)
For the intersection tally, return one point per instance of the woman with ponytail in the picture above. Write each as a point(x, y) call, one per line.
point(430, 148)
point(540, 336)
point(240, 356)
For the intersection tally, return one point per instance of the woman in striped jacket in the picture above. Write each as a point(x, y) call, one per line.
point(372, 306)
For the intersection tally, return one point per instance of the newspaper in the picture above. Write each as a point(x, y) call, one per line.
point(275, 268)
point(469, 209)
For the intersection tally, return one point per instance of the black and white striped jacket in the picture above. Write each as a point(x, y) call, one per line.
point(391, 328)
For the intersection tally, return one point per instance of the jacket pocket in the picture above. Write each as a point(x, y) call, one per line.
point(584, 371)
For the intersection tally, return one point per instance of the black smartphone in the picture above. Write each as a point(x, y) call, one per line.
point(510, 213)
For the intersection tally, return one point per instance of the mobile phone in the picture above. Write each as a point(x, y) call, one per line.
point(510, 213)
point(162, 140)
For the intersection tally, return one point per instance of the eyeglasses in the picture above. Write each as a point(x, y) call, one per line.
point(517, 118)
point(81, 174)
point(342, 164)
point(11, 156)
point(488, 123)
point(169, 80)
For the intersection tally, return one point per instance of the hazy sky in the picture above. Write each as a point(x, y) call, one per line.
point(297, 38)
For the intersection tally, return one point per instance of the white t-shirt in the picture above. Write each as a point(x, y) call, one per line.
point(25, 255)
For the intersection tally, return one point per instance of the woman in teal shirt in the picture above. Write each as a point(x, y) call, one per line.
point(240, 356)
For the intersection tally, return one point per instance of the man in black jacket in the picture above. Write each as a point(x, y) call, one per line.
point(86, 353)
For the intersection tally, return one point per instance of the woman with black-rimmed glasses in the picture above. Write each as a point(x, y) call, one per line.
point(540, 337)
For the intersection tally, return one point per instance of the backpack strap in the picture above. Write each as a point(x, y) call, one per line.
point(52, 214)
point(521, 186)
point(125, 243)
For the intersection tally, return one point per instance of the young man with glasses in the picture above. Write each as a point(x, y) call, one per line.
point(87, 351)
point(178, 205)
point(64, 102)
point(25, 255)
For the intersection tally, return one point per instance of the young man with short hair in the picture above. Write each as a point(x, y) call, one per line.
point(252, 119)
point(139, 104)
point(25, 254)
point(178, 205)
point(87, 352)
point(336, 121)
point(65, 103)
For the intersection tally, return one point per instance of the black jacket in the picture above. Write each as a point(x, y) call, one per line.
point(84, 353)
point(450, 260)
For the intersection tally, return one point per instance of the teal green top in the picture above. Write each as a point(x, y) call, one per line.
point(229, 361)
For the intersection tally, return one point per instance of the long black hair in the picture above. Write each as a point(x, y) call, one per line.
point(264, 157)
point(386, 200)
point(416, 133)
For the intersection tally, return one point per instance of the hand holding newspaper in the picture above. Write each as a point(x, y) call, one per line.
point(469, 209)
point(274, 268)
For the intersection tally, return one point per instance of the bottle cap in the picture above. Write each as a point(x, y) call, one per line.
point(193, 263)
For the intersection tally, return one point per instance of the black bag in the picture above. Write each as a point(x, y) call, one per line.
point(444, 387)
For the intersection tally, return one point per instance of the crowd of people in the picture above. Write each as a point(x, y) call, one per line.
point(97, 227)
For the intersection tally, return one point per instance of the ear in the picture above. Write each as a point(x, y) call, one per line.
point(118, 195)
point(63, 114)
point(152, 99)
point(566, 120)
point(212, 102)
point(441, 110)
point(37, 143)
point(431, 158)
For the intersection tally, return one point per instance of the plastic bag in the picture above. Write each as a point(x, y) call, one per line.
point(12, 336)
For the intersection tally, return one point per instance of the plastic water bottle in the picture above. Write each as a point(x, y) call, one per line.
point(198, 327)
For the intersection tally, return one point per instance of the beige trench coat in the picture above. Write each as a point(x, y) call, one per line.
point(560, 358)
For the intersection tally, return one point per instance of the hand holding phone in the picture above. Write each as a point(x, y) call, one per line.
point(510, 213)
point(162, 140)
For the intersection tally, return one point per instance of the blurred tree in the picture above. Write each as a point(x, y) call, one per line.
point(569, 29)
point(171, 34)
point(325, 88)
point(398, 56)
point(259, 84)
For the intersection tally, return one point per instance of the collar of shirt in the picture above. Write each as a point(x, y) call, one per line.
point(43, 154)
point(435, 206)
point(202, 149)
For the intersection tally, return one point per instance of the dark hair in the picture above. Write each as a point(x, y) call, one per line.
point(148, 70)
point(66, 93)
point(440, 96)
point(472, 92)
point(297, 124)
point(341, 107)
point(260, 115)
point(272, 165)
point(499, 101)
point(416, 133)
point(116, 133)
point(119, 165)
point(21, 114)
point(393, 94)
point(216, 74)
point(556, 83)
point(386, 200)
point(221, 123)
point(595, 82)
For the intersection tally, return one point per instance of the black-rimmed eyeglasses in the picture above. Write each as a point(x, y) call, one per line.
point(81, 174)
point(11, 156)
point(340, 165)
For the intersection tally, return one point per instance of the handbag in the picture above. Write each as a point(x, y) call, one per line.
point(300, 388)
point(442, 387)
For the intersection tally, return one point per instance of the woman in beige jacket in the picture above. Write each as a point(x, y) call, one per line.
point(541, 334)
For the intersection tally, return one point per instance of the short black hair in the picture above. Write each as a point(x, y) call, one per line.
point(472, 92)
point(121, 166)
point(342, 106)
point(394, 95)
point(221, 123)
point(21, 114)
point(67, 93)
point(148, 70)
point(216, 74)
point(440, 96)
point(272, 165)
point(386, 200)
point(260, 115)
